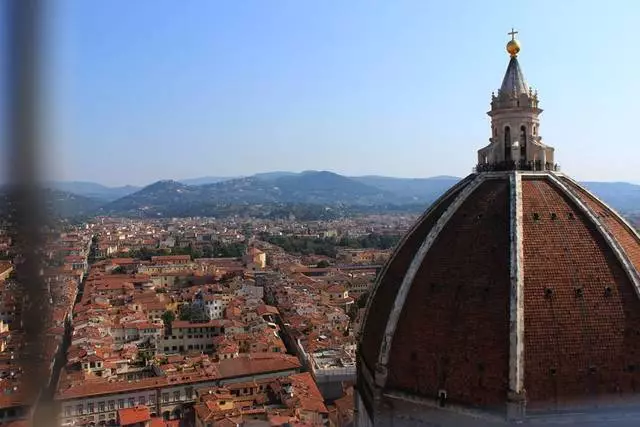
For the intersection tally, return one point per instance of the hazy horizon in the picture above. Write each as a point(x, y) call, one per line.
point(139, 93)
point(178, 179)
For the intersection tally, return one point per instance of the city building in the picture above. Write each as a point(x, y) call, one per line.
point(255, 258)
point(282, 401)
point(513, 299)
point(167, 394)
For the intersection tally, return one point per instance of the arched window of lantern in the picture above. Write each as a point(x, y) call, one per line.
point(507, 143)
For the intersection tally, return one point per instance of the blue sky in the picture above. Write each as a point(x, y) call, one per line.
point(154, 89)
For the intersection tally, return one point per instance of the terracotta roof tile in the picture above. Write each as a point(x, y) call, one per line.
point(137, 414)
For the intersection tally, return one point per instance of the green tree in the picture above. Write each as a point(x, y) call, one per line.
point(323, 264)
point(143, 358)
point(168, 317)
point(118, 270)
point(185, 312)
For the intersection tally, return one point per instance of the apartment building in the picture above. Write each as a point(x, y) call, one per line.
point(96, 402)
point(188, 336)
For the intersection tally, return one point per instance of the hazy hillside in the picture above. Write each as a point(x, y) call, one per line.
point(57, 203)
point(329, 187)
point(158, 198)
point(166, 197)
point(622, 196)
point(93, 190)
point(416, 189)
point(270, 192)
point(270, 176)
point(204, 180)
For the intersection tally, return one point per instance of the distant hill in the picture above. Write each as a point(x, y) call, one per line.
point(416, 189)
point(57, 203)
point(328, 187)
point(65, 204)
point(204, 180)
point(157, 198)
point(278, 192)
point(93, 190)
point(323, 188)
point(622, 196)
point(270, 176)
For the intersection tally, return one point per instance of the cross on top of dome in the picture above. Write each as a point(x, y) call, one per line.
point(513, 46)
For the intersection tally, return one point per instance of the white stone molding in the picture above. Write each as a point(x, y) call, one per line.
point(618, 251)
point(416, 262)
point(516, 300)
point(401, 243)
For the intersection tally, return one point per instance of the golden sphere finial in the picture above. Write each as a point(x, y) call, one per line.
point(513, 47)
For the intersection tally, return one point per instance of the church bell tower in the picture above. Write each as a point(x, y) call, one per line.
point(515, 142)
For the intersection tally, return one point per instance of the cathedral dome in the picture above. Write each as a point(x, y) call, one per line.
point(515, 296)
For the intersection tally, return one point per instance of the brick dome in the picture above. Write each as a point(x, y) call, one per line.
point(515, 297)
point(514, 290)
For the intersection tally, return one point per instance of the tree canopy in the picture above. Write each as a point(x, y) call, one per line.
point(168, 317)
point(212, 250)
point(329, 246)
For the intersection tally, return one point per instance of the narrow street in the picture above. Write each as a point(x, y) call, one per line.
point(48, 393)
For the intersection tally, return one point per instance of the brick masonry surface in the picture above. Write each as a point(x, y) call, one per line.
point(582, 315)
point(387, 289)
point(453, 332)
point(614, 224)
point(581, 311)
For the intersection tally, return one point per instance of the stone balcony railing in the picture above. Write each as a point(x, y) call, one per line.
point(522, 165)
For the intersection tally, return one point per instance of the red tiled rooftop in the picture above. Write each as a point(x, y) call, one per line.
point(137, 414)
point(255, 363)
point(306, 393)
point(159, 422)
point(267, 309)
point(170, 258)
point(245, 366)
point(123, 261)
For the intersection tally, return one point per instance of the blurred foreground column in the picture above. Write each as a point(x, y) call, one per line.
point(23, 62)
